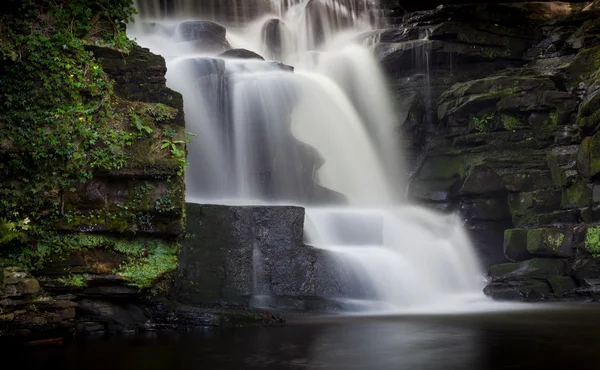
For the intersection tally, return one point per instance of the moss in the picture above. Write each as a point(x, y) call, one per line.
point(588, 117)
point(503, 269)
point(577, 195)
point(592, 241)
point(143, 273)
point(593, 148)
point(511, 123)
point(561, 285)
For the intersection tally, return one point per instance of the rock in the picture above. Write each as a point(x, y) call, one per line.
point(515, 245)
point(240, 54)
point(550, 243)
point(206, 36)
point(275, 33)
point(537, 268)
point(562, 285)
point(519, 290)
point(115, 317)
point(241, 252)
point(482, 180)
point(493, 209)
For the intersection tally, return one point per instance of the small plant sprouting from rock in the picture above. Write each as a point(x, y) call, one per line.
point(177, 148)
point(74, 281)
point(592, 241)
point(481, 123)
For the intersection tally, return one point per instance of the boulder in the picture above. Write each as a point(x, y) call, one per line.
point(530, 289)
point(515, 245)
point(536, 268)
point(482, 180)
point(206, 36)
point(274, 34)
point(550, 243)
point(237, 255)
point(240, 54)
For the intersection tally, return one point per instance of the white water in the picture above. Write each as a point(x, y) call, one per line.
point(336, 102)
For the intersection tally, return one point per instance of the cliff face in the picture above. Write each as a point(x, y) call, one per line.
point(92, 156)
point(512, 144)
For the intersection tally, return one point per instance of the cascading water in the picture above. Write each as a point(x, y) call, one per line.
point(321, 136)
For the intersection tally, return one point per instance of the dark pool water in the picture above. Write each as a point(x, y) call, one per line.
point(565, 338)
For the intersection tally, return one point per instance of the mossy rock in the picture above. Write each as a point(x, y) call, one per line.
point(482, 180)
point(562, 285)
point(522, 290)
point(546, 200)
point(537, 268)
point(137, 262)
point(578, 195)
point(550, 243)
point(515, 245)
point(531, 218)
point(442, 168)
point(588, 117)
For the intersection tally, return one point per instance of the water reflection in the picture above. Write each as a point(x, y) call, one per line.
point(551, 339)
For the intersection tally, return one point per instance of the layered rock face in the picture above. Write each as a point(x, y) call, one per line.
point(500, 106)
point(255, 256)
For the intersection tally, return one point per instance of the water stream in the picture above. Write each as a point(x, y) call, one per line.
point(323, 136)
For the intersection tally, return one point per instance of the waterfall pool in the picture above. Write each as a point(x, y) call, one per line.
point(558, 336)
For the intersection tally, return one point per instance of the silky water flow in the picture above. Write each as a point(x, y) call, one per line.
point(312, 125)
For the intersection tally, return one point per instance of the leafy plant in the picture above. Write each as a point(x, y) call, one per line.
point(481, 123)
point(12, 231)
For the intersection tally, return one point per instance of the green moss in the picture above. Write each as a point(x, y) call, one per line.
point(577, 195)
point(142, 273)
point(511, 123)
point(503, 269)
point(588, 117)
point(561, 285)
point(592, 241)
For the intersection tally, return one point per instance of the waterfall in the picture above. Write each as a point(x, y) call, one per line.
point(312, 125)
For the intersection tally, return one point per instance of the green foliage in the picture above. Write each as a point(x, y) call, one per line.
point(161, 112)
point(74, 281)
point(481, 123)
point(177, 149)
point(592, 241)
point(142, 273)
point(59, 120)
point(14, 231)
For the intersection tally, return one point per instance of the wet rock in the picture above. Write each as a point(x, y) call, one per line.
point(275, 33)
point(238, 253)
point(206, 36)
point(515, 245)
point(519, 290)
point(550, 243)
point(116, 317)
point(482, 180)
point(537, 268)
point(240, 54)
